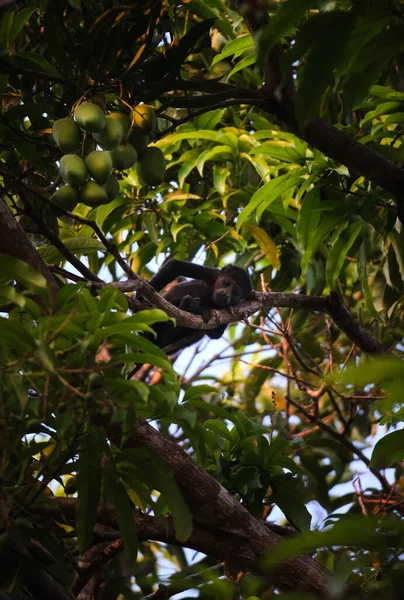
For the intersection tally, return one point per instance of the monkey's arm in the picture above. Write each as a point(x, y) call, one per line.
point(175, 268)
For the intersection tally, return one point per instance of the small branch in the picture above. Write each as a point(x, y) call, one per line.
point(6, 68)
point(331, 305)
point(345, 321)
point(53, 238)
point(66, 274)
point(340, 437)
point(26, 136)
point(105, 554)
point(202, 111)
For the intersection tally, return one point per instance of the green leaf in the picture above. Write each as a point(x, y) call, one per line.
point(288, 500)
point(145, 358)
point(55, 32)
point(32, 61)
point(245, 62)
point(338, 252)
point(9, 294)
point(327, 223)
point(218, 428)
point(88, 486)
point(220, 175)
point(369, 61)
point(285, 153)
point(398, 247)
point(6, 26)
point(185, 170)
point(157, 473)
point(216, 153)
point(116, 492)
point(13, 334)
point(178, 507)
point(309, 216)
point(19, 386)
point(104, 211)
point(77, 245)
point(269, 192)
point(211, 136)
point(219, 411)
point(363, 532)
point(395, 118)
point(235, 48)
point(382, 109)
point(388, 450)
point(196, 391)
point(287, 15)
point(15, 269)
point(363, 261)
point(327, 35)
point(377, 370)
point(20, 19)
point(210, 119)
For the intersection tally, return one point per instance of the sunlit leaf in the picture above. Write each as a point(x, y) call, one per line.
point(235, 48)
point(266, 244)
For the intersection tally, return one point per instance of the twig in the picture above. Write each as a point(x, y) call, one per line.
point(100, 560)
point(341, 438)
point(202, 111)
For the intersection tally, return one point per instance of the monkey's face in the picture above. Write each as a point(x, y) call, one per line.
point(226, 292)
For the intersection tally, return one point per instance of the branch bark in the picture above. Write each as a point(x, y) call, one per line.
point(223, 528)
point(331, 305)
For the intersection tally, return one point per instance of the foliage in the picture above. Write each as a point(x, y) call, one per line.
point(282, 411)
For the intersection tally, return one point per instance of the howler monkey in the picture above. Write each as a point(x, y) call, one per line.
point(209, 288)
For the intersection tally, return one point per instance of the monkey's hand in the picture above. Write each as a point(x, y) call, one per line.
point(195, 307)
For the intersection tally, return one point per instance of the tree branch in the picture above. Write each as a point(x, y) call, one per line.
point(331, 305)
point(222, 526)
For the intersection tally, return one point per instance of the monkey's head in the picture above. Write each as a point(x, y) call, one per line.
point(232, 286)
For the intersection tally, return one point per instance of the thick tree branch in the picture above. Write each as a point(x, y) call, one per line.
point(222, 526)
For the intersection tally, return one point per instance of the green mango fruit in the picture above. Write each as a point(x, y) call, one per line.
point(71, 485)
point(151, 166)
point(138, 139)
point(123, 120)
point(92, 194)
point(111, 187)
point(144, 118)
point(67, 135)
point(218, 41)
point(111, 136)
point(99, 165)
point(90, 117)
point(73, 169)
point(123, 157)
point(66, 196)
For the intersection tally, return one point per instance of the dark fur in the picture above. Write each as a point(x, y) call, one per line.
point(209, 288)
